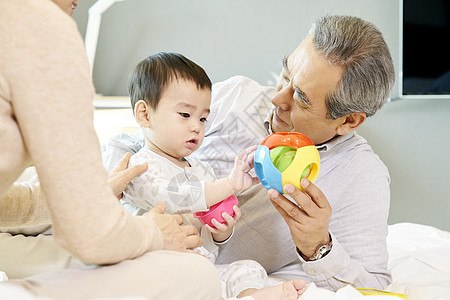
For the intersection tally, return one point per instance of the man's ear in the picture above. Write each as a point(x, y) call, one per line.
point(351, 122)
point(142, 113)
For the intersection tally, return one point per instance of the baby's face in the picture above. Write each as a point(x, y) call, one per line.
point(177, 126)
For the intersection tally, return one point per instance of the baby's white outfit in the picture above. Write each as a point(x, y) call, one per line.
point(183, 191)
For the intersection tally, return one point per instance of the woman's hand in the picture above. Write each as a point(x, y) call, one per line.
point(177, 237)
point(121, 176)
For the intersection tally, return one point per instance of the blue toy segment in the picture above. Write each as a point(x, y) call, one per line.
point(267, 173)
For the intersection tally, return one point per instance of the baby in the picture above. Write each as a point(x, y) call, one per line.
point(171, 96)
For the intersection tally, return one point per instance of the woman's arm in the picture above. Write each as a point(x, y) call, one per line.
point(52, 90)
point(23, 205)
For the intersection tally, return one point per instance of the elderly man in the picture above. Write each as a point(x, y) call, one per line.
point(334, 231)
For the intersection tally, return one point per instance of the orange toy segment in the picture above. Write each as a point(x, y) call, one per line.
point(289, 139)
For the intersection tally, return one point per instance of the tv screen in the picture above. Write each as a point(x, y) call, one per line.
point(425, 47)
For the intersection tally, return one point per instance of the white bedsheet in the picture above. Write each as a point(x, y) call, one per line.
point(419, 258)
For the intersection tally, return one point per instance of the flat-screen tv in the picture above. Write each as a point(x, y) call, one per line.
point(425, 48)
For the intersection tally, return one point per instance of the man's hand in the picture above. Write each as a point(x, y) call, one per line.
point(308, 221)
point(121, 176)
point(177, 237)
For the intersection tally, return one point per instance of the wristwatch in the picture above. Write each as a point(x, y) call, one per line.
point(321, 252)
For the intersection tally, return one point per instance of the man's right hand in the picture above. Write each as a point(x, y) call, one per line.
point(177, 237)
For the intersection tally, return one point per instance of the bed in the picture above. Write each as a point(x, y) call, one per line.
point(418, 260)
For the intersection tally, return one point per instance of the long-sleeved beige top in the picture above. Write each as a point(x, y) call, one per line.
point(46, 118)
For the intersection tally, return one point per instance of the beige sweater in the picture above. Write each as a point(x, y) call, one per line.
point(46, 118)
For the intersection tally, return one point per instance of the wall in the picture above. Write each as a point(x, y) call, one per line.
point(226, 37)
point(412, 138)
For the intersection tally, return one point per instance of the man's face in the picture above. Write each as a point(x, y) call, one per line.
point(304, 82)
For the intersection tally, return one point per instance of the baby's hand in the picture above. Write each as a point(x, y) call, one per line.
point(223, 231)
point(240, 177)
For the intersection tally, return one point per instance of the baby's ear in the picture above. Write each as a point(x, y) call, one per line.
point(141, 113)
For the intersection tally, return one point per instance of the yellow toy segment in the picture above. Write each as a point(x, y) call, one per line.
point(305, 157)
point(373, 292)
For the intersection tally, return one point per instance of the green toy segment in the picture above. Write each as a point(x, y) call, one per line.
point(282, 157)
point(306, 172)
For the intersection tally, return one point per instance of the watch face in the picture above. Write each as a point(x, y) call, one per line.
point(321, 252)
point(324, 252)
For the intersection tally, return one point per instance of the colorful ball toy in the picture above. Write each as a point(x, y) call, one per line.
point(286, 157)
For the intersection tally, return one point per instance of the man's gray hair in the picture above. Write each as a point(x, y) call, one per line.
point(368, 71)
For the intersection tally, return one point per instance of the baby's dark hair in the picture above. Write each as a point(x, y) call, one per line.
point(152, 75)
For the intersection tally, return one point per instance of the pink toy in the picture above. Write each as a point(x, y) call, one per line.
point(216, 211)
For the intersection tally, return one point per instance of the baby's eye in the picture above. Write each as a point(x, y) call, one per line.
point(184, 115)
point(203, 120)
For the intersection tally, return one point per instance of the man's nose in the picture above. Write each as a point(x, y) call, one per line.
point(283, 98)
